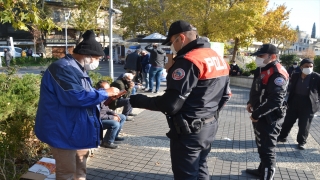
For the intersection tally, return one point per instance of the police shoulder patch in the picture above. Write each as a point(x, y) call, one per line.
point(178, 74)
point(280, 81)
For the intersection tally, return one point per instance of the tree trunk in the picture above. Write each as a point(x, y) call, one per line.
point(165, 28)
point(78, 40)
point(235, 49)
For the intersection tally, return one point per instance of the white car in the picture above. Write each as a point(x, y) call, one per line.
point(17, 51)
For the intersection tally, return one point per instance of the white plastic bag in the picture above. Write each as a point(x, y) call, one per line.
point(164, 75)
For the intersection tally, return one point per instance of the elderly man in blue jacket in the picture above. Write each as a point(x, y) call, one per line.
point(68, 113)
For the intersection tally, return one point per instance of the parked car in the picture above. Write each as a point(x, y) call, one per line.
point(17, 51)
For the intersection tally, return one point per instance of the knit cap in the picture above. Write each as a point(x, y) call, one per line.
point(89, 45)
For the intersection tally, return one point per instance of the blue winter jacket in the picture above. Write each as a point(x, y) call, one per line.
point(68, 112)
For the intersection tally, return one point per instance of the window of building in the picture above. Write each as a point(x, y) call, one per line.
point(315, 49)
point(56, 16)
point(308, 41)
point(304, 41)
point(299, 48)
point(296, 48)
point(303, 49)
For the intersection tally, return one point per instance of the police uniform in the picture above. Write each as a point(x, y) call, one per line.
point(267, 97)
point(197, 89)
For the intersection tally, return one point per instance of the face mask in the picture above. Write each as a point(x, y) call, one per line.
point(259, 62)
point(294, 66)
point(91, 66)
point(172, 47)
point(307, 71)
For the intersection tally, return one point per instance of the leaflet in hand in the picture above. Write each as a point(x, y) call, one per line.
point(110, 99)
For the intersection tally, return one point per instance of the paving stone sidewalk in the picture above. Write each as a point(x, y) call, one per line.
point(145, 152)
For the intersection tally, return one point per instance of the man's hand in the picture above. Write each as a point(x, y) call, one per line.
point(117, 117)
point(112, 91)
point(249, 108)
point(132, 84)
point(253, 120)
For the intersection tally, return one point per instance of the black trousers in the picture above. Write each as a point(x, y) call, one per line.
point(189, 153)
point(266, 140)
point(300, 108)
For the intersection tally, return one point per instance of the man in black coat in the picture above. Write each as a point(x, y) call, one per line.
point(303, 102)
point(234, 69)
point(294, 69)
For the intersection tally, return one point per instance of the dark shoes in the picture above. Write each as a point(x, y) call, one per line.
point(149, 91)
point(302, 146)
point(108, 145)
point(254, 172)
point(119, 139)
point(131, 114)
point(282, 140)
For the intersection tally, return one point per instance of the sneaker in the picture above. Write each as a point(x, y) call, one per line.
point(149, 91)
point(109, 145)
point(282, 140)
point(130, 118)
point(302, 146)
point(254, 172)
point(119, 139)
point(131, 114)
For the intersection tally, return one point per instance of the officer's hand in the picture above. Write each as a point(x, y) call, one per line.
point(139, 100)
point(112, 91)
point(253, 120)
point(249, 108)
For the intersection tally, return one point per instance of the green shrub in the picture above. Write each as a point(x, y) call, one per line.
point(249, 67)
point(19, 147)
point(317, 64)
point(25, 61)
point(95, 77)
point(288, 59)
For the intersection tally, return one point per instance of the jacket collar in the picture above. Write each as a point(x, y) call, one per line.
point(197, 43)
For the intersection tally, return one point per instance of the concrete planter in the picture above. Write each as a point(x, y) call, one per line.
point(242, 81)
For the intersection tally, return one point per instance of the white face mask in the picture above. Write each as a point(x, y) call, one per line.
point(307, 71)
point(259, 62)
point(90, 66)
point(294, 66)
point(172, 47)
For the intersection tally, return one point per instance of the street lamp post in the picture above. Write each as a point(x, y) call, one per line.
point(111, 12)
point(110, 40)
point(66, 18)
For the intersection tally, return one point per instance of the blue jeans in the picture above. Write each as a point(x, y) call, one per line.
point(113, 127)
point(146, 78)
point(155, 72)
point(134, 91)
point(125, 103)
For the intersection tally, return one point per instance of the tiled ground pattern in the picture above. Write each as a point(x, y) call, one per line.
point(235, 133)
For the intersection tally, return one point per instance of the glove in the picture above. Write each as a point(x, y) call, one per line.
point(139, 101)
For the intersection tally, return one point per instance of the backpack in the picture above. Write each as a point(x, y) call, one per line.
point(29, 51)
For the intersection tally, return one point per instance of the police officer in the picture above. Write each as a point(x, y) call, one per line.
point(197, 89)
point(266, 104)
point(303, 102)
